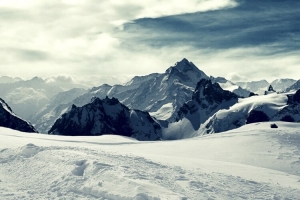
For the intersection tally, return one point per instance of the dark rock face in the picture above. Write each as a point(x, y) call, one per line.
point(252, 94)
point(207, 99)
point(273, 126)
point(211, 93)
point(294, 99)
point(297, 96)
point(271, 89)
point(107, 116)
point(287, 118)
point(257, 116)
point(9, 120)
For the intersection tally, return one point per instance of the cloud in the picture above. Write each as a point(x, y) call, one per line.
point(235, 77)
point(76, 36)
point(253, 38)
point(61, 78)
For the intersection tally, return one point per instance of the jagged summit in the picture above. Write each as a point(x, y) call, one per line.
point(184, 65)
point(186, 71)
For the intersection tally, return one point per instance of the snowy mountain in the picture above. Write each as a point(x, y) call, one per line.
point(107, 116)
point(230, 86)
point(161, 95)
point(282, 84)
point(207, 99)
point(252, 162)
point(257, 87)
point(27, 97)
point(10, 120)
point(58, 105)
point(294, 87)
point(172, 88)
point(272, 107)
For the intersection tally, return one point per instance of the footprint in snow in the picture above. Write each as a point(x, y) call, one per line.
point(81, 166)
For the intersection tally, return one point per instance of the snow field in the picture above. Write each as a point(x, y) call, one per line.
point(253, 162)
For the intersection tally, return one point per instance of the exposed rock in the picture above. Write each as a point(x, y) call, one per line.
point(287, 118)
point(257, 116)
point(270, 90)
point(107, 116)
point(273, 126)
point(207, 99)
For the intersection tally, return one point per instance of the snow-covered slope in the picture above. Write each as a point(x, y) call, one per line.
point(58, 105)
point(294, 87)
point(10, 120)
point(282, 84)
point(207, 99)
point(107, 116)
point(230, 86)
point(275, 106)
point(253, 162)
point(257, 87)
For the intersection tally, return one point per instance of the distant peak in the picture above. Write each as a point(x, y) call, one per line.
point(36, 78)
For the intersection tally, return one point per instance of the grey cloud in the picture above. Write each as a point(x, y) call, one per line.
point(252, 23)
point(28, 55)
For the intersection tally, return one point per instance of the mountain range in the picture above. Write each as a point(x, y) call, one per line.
point(180, 103)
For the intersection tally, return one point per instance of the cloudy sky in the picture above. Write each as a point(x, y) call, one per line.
point(238, 39)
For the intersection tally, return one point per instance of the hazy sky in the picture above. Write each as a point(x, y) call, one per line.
point(241, 39)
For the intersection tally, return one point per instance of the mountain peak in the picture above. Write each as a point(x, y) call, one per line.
point(37, 79)
point(188, 71)
point(184, 65)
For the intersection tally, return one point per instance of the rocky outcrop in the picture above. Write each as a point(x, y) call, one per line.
point(207, 99)
point(107, 116)
point(270, 90)
point(257, 116)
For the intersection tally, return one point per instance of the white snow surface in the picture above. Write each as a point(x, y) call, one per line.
point(164, 113)
point(252, 162)
point(225, 120)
